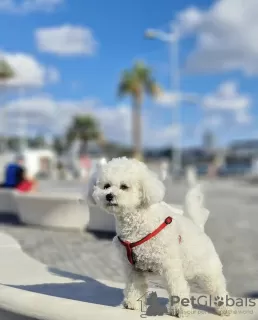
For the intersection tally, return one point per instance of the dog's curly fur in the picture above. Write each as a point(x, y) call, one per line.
point(138, 208)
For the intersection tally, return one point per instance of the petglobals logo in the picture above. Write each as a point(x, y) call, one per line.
point(209, 301)
point(151, 305)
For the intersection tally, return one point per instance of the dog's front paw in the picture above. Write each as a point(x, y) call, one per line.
point(224, 311)
point(185, 312)
point(132, 304)
point(180, 311)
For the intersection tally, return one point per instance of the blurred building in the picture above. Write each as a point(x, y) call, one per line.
point(242, 152)
point(94, 150)
point(209, 141)
point(245, 149)
point(196, 156)
point(240, 157)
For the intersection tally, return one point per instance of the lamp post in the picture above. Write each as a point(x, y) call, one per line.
point(172, 38)
point(23, 132)
point(3, 144)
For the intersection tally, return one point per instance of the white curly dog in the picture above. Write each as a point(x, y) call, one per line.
point(152, 237)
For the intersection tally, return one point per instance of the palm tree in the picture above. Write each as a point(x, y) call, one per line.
point(84, 129)
point(135, 83)
point(6, 71)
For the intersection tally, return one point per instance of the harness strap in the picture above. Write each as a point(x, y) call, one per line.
point(129, 250)
point(130, 245)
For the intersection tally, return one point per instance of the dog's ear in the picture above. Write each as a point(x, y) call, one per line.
point(153, 190)
point(92, 180)
point(90, 188)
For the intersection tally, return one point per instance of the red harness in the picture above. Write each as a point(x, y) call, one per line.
point(129, 246)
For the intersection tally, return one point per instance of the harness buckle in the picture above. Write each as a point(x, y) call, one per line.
point(168, 220)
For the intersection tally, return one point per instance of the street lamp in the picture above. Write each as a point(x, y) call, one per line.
point(24, 129)
point(3, 132)
point(172, 38)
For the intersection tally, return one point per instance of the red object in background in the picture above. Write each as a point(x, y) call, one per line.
point(25, 186)
point(85, 162)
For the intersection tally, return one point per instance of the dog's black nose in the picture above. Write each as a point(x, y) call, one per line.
point(109, 196)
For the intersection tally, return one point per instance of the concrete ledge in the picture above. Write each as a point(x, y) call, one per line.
point(58, 210)
point(7, 202)
point(100, 220)
point(30, 290)
point(62, 211)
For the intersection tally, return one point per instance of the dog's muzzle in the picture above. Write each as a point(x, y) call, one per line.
point(110, 200)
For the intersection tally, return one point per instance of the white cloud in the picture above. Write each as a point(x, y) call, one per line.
point(115, 123)
point(28, 71)
point(164, 136)
point(226, 36)
point(243, 117)
point(189, 20)
point(227, 97)
point(42, 104)
point(66, 40)
point(55, 116)
point(27, 6)
point(170, 132)
point(227, 103)
point(213, 121)
point(170, 99)
point(43, 110)
point(53, 75)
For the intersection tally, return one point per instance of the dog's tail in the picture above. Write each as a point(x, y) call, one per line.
point(194, 200)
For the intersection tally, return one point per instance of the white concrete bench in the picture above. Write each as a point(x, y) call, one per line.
point(52, 210)
point(62, 211)
point(8, 207)
point(7, 202)
point(100, 220)
point(31, 290)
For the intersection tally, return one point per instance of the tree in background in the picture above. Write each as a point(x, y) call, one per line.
point(114, 150)
point(6, 71)
point(59, 145)
point(13, 143)
point(136, 82)
point(36, 142)
point(83, 128)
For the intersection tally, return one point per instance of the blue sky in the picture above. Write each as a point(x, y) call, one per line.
point(68, 56)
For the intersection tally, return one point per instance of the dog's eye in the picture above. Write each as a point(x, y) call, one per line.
point(124, 187)
point(107, 186)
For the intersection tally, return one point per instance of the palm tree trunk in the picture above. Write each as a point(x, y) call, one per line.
point(137, 128)
point(84, 147)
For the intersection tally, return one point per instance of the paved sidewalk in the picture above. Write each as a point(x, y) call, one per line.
point(70, 251)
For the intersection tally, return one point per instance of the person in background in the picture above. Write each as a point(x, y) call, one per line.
point(13, 176)
point(25, 184)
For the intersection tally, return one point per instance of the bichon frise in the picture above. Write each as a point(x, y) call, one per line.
point(152, 238)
